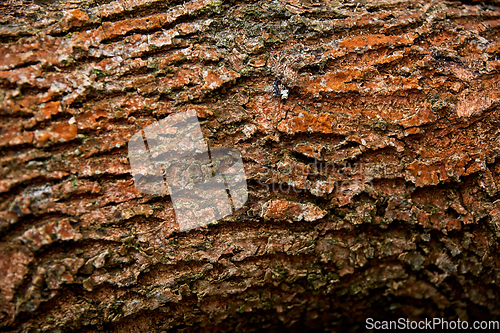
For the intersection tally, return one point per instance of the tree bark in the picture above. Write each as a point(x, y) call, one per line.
point(369, 132)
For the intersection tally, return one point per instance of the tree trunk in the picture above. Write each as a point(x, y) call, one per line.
point(369, 132)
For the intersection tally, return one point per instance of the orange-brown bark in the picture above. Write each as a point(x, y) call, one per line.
point(373, 180)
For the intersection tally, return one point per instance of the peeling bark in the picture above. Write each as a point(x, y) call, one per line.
point(369, 132)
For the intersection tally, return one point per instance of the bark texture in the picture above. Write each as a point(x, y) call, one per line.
point(369, 132)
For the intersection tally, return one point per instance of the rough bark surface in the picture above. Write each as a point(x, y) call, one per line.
point(372, 172)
